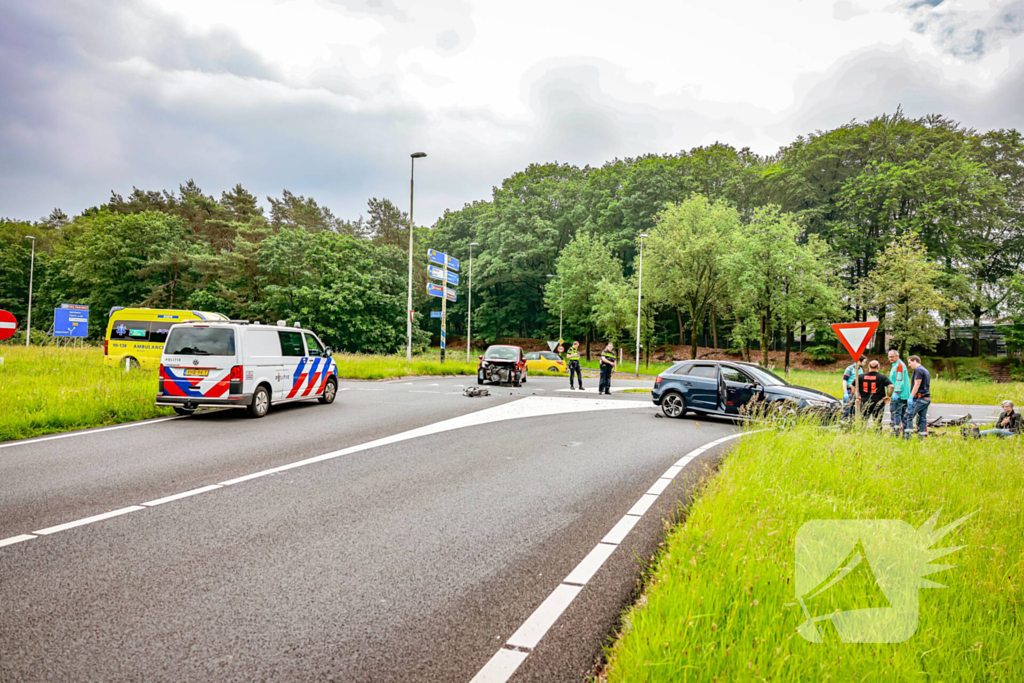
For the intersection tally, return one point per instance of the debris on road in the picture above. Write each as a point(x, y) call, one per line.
point(475, 391)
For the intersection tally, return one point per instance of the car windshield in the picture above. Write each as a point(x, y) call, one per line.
point(765, 377)
point(549, 356)
point(502, 353)
point(200, 341)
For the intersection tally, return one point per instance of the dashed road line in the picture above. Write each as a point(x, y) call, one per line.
point(86, 432)
point(506, 661)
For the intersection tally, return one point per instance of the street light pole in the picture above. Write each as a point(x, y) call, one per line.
point(469, 305)
point(561, 296)
point(408, 321)
point(639, 292)
point(31, 273)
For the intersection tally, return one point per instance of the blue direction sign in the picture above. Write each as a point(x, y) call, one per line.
point(453, 278)
point(434, 256)
point(435, 272)
point(435, 290)
point(453, 262)
point(71, 320)
point(435, 314)
point(450, 293)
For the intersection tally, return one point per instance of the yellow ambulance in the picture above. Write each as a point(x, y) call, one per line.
point(136, 336)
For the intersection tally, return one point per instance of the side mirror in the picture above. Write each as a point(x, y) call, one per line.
point(480, 357)
point(328, 352)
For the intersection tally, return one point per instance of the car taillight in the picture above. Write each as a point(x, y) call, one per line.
point(657, 380)
point(105, 342)
point(236, 374)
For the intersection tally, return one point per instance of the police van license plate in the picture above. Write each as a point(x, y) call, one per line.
point(197, 372)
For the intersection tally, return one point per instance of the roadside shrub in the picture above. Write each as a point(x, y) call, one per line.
point(823, 354)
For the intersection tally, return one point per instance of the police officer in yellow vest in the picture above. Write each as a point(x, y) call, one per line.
point(607, 365)
point(573, 357)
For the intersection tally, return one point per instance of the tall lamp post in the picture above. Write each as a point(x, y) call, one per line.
point(408, 321)
point(31, 273)
point(561, 294)
point(639, 292)
point(469, 305)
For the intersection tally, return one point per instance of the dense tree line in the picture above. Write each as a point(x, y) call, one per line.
point(919, 222)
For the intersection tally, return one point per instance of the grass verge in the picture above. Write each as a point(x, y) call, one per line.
point(718, 605)
point(363, 366)
point(46, 389)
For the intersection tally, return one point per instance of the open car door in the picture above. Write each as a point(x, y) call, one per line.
point(721, 390)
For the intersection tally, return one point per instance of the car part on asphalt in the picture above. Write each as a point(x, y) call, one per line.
point(475, 391)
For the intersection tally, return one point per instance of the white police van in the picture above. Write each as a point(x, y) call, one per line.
point(236, 364)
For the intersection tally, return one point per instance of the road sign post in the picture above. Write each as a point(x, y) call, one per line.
point(442, 290)
point(855, 338)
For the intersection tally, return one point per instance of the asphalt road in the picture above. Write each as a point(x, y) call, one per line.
point(413, 559)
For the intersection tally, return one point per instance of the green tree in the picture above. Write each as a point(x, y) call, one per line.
point(582, 266)
point(686, 254)
point(906, 284)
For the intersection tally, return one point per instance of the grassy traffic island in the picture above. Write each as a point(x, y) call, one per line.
point(49, 389)
point(720, 602)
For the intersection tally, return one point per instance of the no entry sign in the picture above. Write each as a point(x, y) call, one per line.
point(855, 336)
point(8, 325)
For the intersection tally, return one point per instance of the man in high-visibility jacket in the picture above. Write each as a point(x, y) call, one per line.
point(899, 375)
point(573, 357)
point(607, 365)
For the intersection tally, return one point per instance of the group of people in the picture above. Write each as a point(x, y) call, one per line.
point(906, 390)
point(607, 360)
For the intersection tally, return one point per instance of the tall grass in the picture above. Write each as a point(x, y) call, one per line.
point(717, 604)
point(48, 389)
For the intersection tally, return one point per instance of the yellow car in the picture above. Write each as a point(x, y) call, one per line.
point(136, 335)
point(545, 361)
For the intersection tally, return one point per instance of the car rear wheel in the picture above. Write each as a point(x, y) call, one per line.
point(184, 411)
point(673, 405)
point(553, 369)
point(260, 402)
point(330, 391)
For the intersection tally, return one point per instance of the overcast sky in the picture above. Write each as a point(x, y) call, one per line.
point(329, 97)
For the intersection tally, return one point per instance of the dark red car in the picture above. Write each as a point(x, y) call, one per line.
point(502, 364)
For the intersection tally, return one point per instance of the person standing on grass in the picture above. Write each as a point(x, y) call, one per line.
point(607, 366)
point(874, 390)
point(921, 392)
point(1009, 423)
point(899, 375)
point(850, 375)
point(573, 356)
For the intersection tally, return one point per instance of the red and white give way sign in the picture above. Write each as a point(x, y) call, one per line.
point(855, 336)
point(8, 325)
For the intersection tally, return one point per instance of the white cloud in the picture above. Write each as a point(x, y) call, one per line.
point(328, 97)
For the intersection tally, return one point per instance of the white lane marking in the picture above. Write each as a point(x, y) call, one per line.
point(89, 431)
point(501, 667)
point(589, 565)
point(544, 617)
point(16, 539)
point(671, 472)
point(532, 406)
point(186, 494)
point(87, 520)
point(642, 505)
point(423, 391)
point(621, 529)
point(366, 389)
point(658, 487)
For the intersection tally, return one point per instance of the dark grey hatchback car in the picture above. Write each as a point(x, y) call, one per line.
point(712, 387)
